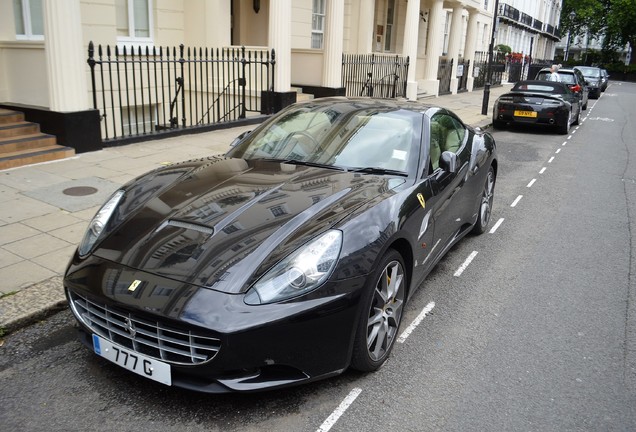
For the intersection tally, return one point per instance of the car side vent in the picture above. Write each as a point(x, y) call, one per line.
point(190, 226)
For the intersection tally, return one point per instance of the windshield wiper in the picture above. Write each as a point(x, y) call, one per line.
point(305, 163)
point(376, 170)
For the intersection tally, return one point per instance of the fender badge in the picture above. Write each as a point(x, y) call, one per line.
point(422, 201)
point(133, 286)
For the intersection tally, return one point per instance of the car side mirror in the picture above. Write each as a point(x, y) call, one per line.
point(239, 138)
point(448, 162)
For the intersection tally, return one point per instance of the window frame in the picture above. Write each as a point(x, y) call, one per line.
point(131, 40)
point(315, 14)
point(27, 22)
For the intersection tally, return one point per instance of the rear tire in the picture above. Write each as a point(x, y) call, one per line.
point(565, 127)
point(381, 313)
point(498, 124)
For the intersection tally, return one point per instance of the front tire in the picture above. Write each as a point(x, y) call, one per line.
point(381, 314)
point(485, 207)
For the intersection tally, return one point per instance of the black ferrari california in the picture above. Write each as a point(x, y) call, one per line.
point(547, 103)
point(287, 260)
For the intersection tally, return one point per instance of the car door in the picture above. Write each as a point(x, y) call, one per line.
point(454, 205)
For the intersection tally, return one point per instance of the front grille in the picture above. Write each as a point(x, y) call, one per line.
point(151, 338)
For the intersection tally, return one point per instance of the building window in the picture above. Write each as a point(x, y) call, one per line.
point(138, 120)
point(134, 20)
point(447, 24)
point(390, 18)
point(29, 19)
point(279, 210)
point(318, 24)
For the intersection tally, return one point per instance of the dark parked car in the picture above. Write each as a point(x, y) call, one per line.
point(287, 260)
point(538, 102)
point(593, 79)
point(573, 78)
point(604, 79)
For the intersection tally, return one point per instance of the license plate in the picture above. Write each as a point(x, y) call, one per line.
point(532, 114)
point(133, 361)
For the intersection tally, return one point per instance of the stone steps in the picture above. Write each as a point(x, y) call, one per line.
point(22, 143)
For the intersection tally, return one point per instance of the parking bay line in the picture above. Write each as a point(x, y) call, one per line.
point(542, 170)
point(531, 183)
point(335, 415)
point(516, 201)
point(407, 332)
point(466, 263)
point(495, 226)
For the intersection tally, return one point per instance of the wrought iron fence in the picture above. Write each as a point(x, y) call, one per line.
point(374, 75)
point(444, 72)
point(462, 66)
point(480, 69)
point(148, 91)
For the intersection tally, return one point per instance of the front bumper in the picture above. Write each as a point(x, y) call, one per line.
point(257, 347)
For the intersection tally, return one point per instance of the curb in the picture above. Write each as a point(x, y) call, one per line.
point(31, 304)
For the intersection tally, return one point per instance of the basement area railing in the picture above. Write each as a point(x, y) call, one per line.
point(147, 91)
point(375, 76)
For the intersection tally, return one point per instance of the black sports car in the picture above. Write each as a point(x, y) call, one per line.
point(538, 102)
point(288, 260)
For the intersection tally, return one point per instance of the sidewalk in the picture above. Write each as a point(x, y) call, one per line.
point(45, 208)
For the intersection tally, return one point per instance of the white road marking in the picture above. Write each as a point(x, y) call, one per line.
point(564, 143)
point(463, 267)
point(558, 150)
point(335, 415)
point(570, 137)
point(551, 159)
point(406, 333)
point(542, 170)
point(516, 201)
point(495, 226)
point(531, 183)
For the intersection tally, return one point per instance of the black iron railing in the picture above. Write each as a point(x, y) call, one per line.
point(462, 75)
point(480, 66)
point(374, 75)
point(148, 91)
point(444, 74)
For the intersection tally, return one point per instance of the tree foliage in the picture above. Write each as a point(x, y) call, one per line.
point(615, 20)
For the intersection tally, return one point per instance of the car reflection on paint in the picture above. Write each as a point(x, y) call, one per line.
point(546, 103)
point(291, 258)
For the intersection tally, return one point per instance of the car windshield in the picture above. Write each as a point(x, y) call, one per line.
point(340, 136)
point(548, 87)
point(590, 72)
point(564, 77)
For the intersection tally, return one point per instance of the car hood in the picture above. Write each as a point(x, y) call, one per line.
point(221, 222)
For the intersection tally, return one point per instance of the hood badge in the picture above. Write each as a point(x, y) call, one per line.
point(130, 327)
point(133, 286)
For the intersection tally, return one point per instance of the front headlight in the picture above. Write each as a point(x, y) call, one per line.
point(302, 271)
point(97, 225)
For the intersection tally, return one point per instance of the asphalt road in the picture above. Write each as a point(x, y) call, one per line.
point(537, 333)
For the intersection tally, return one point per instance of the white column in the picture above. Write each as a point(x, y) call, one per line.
point(280, 40)
point(454, 42)
point(332, 59)
point(409, 47)
point(65, 56)
point(469, 51)
point(434, 48)
point(366, 26)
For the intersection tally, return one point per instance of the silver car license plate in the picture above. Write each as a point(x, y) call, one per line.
point(133, 361)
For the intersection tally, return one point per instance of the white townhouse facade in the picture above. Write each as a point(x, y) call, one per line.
point(44, 43)
point(530, 27)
